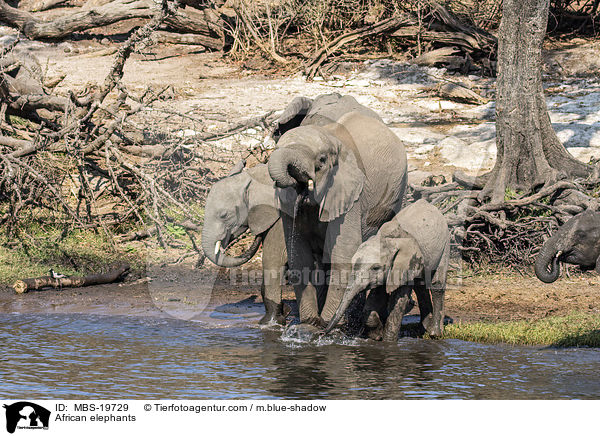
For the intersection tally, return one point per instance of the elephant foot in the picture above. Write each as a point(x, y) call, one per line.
point(433, 328)
point(315, 321)
point(275, 313)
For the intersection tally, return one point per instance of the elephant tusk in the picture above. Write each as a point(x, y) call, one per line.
point(311, 185)
point(217, 247)
point(559, 253)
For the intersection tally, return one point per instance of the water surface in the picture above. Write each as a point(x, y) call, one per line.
point(69, 356)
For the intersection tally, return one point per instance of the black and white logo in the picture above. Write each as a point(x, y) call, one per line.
point(26, 415)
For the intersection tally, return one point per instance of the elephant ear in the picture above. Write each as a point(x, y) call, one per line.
point(292, 116)
point(237, 168)
point(406, 265)
point(340, 188)
point(262, 209)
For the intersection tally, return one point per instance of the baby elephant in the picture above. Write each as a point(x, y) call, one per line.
point(576, 242)
point(411, 251)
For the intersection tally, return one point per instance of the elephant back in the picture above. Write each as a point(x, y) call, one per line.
point(260, 173)
point(330, 108)
point(426, 224)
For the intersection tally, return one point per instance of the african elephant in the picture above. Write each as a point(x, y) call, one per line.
point(337, 183)
point(577, 242)
point(245, 200)
point(319, 111)
point(411, 251)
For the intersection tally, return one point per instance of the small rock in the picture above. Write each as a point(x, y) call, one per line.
point(105, 41)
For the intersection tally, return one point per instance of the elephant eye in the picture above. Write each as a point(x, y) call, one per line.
point(376, 267)
point(223, 214)
point(322, 161)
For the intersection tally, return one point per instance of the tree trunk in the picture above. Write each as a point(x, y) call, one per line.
point(529, 152)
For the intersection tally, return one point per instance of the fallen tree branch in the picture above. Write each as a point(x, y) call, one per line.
point(63, 26)
point(385, 26)
point(25, 285)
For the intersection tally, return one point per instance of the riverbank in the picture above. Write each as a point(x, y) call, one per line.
point(575, 330)
point(490, 308)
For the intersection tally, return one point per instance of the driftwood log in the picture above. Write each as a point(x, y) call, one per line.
point(24, 285)
point(205, 23)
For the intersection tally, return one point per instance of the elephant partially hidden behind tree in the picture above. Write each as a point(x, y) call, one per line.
point(245, 199)
point(411, 251)
point(576, 242)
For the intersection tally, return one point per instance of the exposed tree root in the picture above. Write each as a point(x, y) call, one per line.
point(511, 231)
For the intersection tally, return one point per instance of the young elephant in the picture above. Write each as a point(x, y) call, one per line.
point(244, 200)
point(577, 242)
point(409, 252)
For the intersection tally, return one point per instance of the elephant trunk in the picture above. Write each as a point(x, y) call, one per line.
point(546, 267)
point(351, 292)
point(215, 252)
point(289, 166)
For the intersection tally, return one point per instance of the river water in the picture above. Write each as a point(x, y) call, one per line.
point(71, 356)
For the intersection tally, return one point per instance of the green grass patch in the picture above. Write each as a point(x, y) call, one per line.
point(78, 253)
point(573, 330)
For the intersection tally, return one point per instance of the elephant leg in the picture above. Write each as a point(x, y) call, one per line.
point(375, 313)
point(274, 260)
point(398, 304)
point(344, 235)
point(438, 291)
point(425, 305)
point(301, 274)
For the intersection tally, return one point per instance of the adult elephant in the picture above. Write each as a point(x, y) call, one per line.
point(245, 200)
point(320, 111)
point(576, 242)
point(337, 184)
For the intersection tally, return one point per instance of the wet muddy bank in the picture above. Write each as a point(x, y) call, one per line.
point(183, 293)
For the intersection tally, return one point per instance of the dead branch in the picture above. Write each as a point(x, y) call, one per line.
point(382, 27)
point(24, 285)
point(58, 28)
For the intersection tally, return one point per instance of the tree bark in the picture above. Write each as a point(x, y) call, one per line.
point(24, 285)
point(529, 152)
point(205, 23)
point(63, 26)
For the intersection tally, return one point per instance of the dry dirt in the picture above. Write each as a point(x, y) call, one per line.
point(186, 293)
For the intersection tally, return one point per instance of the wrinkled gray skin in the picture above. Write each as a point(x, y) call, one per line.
point(228, 205)
point(356, 168)
point(410, 252)
point(244, 200)
point(322, 110)
point(576, 242)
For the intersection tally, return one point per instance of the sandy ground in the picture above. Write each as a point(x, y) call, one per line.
point(186, 293)
point(440, 136)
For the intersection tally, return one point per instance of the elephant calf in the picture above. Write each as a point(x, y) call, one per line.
point(577, 242)
point(409, 252)
point(244, 200)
